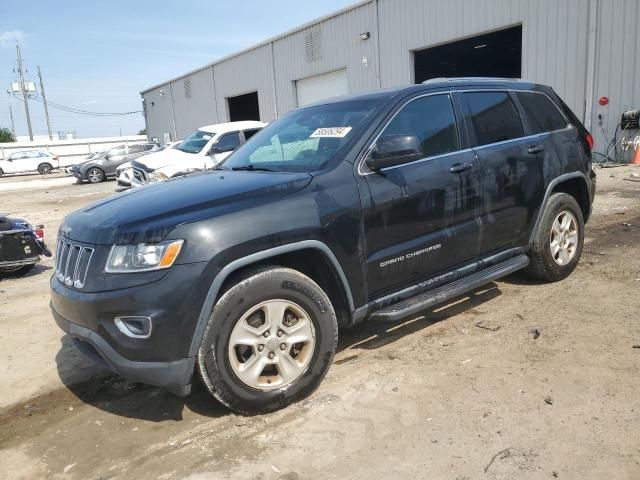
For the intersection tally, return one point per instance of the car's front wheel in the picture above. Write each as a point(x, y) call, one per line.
point(269, 342)
point(95, 175)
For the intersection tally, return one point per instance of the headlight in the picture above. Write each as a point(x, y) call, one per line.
point(157, 177)
point(143, 257)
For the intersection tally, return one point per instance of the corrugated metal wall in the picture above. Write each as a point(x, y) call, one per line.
point(194, 102)
point(248, 72)
point(159, 112)
point(340, 46)
point(555, 51)
point(617, 72)
point(553, 45)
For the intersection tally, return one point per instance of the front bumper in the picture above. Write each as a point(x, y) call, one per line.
point(171, 300)
point(175, 376)
point(20, 263)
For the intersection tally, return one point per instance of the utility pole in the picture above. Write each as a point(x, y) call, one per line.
point(23, 89)
point(46, 109)
point(13, 125)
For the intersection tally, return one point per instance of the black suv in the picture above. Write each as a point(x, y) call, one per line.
point(374, 206)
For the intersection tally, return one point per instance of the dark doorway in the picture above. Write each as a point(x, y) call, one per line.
point(496, 54)
point(244, 107)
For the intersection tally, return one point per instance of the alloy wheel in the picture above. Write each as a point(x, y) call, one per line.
point(564, 237)
point(271, 346)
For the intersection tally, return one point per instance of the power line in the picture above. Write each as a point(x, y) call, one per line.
point(80, 111)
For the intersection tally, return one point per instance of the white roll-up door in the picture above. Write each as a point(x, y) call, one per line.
point(314, 89)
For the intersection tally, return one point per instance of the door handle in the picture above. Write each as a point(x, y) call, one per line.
point(460, 167)
point(535, 149)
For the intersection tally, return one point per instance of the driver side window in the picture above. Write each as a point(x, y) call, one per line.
point(432, 120)
point(228, 142)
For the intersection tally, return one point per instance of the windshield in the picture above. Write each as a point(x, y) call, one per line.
point(195, 142)
point(305, 140)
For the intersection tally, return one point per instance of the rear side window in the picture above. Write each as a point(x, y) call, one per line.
point(250, 133)
point(432, 120)
point(542, 115)
point(492, 116)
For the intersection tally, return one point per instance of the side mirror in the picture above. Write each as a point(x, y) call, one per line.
point(393, 150)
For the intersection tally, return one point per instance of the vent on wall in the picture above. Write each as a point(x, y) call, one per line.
point(312, 50)
point(187, 87)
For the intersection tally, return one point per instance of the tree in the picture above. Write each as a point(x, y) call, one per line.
point(142, 132)
point(6, 135)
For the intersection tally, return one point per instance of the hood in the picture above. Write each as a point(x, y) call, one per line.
point(171, 156)
point(148, 214)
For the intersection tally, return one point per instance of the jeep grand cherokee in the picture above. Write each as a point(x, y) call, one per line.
point(368, 207)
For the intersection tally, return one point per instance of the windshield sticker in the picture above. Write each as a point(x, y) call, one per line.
point(331, 132)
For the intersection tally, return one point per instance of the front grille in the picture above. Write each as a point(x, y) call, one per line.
point(140, 175)
point(72, 263)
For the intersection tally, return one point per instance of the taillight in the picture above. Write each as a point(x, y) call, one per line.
point(39, 232)
point(589, 138)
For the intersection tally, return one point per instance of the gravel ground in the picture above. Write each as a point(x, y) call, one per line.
point(463, 392)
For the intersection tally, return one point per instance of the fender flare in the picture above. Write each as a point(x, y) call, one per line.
point(556, 181)
point(228, 269)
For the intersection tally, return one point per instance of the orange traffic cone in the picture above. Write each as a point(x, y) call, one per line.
point(636, 157)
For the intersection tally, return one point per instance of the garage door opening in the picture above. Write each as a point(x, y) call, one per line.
point(314, 89)
point(496, 54)
point(244, 107)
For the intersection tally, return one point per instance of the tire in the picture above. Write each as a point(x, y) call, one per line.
point(44, 168)
point(95, 175)
point(221, 357)
point(9, 272)
point(548, 261)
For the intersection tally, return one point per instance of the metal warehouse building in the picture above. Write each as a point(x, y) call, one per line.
point(584, 49)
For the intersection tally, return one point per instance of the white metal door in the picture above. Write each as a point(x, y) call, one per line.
point(314, 89)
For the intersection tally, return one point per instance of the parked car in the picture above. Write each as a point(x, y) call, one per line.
point(28, 161)
point(91, 156)
point(376, 206)
point(124, 172)
point(205, 148)
point(104, 166)
point(20, 246)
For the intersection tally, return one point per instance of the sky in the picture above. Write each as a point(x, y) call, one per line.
point(98, 55)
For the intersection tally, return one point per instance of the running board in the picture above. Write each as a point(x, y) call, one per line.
point(414, 305)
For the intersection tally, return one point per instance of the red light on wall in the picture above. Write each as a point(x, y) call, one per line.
point(603, 101)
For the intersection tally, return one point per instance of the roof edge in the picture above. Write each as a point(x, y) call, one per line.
point(268, 41)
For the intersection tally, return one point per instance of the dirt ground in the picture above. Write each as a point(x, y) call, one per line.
point(464, 392)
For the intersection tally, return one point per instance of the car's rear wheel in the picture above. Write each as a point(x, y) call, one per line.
point(557, 245)
point(269, 342)
point(95, 175)
point(44, 168)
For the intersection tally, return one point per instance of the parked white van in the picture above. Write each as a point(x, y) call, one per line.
point(28, 161)
point(205, 148)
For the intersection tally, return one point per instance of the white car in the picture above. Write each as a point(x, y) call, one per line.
point(29, 161)
point(124, 173)
point(205, 148)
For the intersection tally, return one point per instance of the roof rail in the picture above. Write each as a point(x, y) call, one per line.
point(470, 79)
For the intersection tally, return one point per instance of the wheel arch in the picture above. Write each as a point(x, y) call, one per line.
point(574, 184)
point(310, 257)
